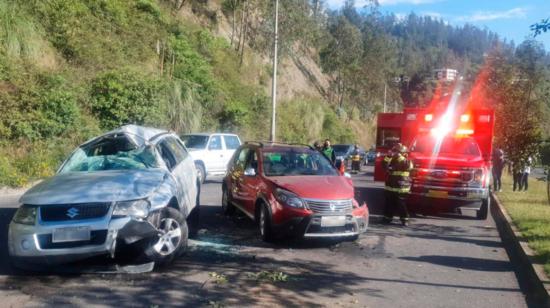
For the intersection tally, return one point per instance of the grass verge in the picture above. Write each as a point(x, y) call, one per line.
point(530, 212)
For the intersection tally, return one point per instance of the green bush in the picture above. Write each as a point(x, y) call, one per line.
point(148, 6)
point(127, 97)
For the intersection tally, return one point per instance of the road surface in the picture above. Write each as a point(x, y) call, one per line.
point(439, 261)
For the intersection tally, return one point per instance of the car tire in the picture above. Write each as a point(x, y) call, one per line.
point(483, 211)
point(264, 224)
point(193, 220)
point(201, 172)
point(227, 207)
point(171, 243)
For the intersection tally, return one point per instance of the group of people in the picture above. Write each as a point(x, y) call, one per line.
point(520, 171)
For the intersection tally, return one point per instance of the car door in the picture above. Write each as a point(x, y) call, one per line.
point(236, 173)
point(185, 170)
point(173, 160)
point(231, 143)
point(215, 155)
point(250, 183)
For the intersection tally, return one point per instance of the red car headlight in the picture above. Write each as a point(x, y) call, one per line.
point(289, 198)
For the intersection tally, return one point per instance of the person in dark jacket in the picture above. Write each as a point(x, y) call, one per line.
point(328, 151)
point(497, 159)
point(398, 184)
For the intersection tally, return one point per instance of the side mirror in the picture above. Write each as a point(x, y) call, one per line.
point(250, 172)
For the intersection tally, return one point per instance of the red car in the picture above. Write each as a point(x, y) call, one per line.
point(292, 190)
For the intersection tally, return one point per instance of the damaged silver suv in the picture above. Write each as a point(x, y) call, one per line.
point(133, 188)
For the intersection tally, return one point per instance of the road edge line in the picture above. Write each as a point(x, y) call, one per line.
point(531, 274)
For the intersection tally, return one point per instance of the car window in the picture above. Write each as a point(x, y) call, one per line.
point(215, 143)
point(166, 154)
point(294, 162)
point(231, 142)
point(195, 141)
point(253, 162)
point(177, 150)
point(110, 153)
point(241, 158)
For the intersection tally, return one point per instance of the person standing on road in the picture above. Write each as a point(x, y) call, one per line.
point(497, 159)
point(398, 184)
point(355, 159)
point(328, 151)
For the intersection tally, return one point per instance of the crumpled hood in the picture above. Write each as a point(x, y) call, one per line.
point(317, 187)
point(99, 186)
point(469, 161)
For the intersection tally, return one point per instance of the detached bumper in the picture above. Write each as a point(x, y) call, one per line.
point(34, 244)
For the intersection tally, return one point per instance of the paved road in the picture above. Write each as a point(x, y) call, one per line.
point(440, 261)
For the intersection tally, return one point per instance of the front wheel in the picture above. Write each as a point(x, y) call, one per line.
point(172, 239)
point(265, 224)
point(483, 212)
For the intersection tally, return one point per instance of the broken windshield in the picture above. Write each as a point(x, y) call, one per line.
point(111, 153)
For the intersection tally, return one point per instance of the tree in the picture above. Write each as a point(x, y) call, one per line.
point(540, 27)
point(341, 58)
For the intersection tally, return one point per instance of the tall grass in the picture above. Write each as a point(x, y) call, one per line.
point(530, 212)
point(19, 36)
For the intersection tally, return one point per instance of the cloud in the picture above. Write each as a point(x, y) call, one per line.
point(518, 12)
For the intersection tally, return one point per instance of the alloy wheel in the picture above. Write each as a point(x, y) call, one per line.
point(170, 237)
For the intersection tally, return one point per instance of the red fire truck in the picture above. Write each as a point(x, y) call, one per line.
point(450, 147)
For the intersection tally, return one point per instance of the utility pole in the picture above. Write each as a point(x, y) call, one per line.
point(274, 84)
point(385, 95)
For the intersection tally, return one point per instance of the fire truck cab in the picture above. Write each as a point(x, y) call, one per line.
point(451, 153)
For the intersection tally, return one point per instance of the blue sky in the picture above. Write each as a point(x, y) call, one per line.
point(509, 18)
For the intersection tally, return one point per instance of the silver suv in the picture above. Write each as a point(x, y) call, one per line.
point(134, 187)
point(211, 152)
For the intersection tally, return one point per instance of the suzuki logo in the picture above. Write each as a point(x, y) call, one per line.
point(332, 207)
point(72, 212)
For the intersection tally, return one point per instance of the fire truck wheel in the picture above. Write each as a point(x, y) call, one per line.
point(483, 212)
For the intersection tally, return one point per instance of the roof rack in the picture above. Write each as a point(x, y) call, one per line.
point(262, 143)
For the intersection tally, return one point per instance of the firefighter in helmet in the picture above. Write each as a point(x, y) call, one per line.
point(398, 183)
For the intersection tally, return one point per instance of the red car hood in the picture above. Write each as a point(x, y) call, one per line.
point(316, 187)
point(450, 160)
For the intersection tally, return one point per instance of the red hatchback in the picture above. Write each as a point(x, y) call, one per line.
point(291, 189)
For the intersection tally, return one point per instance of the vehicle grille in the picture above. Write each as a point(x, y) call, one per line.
point(71, 212)
point(328, 230)
point(97, 237)
point(330, 207)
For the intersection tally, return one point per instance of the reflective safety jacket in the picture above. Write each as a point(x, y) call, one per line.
point(398, 169)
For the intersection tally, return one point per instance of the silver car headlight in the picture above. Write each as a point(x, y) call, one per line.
point(288, 198)
point(25, 215)
point(134, 208)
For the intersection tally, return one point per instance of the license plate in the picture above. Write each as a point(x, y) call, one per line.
point(333, 221)
point(438, 194)
point(71, 234)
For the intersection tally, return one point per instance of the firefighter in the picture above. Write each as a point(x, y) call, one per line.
point(355, 160)
point(398, 184)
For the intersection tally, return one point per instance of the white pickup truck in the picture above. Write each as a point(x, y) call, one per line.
point(211, 152)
